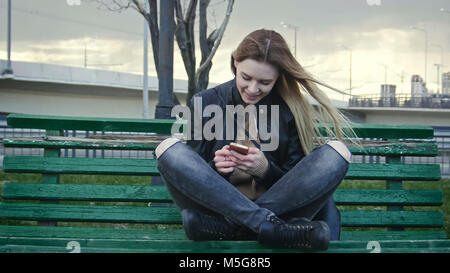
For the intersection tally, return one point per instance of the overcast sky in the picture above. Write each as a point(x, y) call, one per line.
point(376, 31)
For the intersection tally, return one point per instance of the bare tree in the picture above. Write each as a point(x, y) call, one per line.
point(198, 78)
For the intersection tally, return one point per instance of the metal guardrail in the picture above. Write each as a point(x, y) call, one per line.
point(435, 101)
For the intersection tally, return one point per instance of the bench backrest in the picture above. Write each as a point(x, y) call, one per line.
point(389, 141)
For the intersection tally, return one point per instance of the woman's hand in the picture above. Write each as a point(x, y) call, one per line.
point(222, 160)
point(253, 163)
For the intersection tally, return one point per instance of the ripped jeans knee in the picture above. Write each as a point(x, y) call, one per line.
point(164, 145)
point(341, 148)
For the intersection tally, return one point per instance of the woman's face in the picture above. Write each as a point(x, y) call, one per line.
point(254, 79)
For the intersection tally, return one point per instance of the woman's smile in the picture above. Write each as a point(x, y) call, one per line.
point(252, 97)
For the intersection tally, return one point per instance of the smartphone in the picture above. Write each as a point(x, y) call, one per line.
point(242, 149)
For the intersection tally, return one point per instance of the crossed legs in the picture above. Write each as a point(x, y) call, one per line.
point(305, 191)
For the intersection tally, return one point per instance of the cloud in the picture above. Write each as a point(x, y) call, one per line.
point(125, 56)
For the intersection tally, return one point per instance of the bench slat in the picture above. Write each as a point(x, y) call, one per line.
point(133, 214)
point(85, 192)
point(102, 245)
point(179, 234)
point(79, 165)
point(75, 165)
point(381, 148)
point(114, 214)
point(382, 218)
point(388, 197)
point(129, 193)
point(384, 148)
point(164, 126)
point(104, 233)
point(391, 131)
point(40, 142)
point(160, 126)
point(392, 235)
point(159, 249)
point(394, 171)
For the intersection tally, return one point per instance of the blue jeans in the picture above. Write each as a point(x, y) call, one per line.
point(304, 191)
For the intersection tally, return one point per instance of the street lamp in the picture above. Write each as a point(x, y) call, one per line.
point(8, 71)
point(350, 69)
point(385, 72)
point(439, 65)
point(145, 113)
point(442, 51)
point(295, 28)
point(426, 47)
point(445, 10)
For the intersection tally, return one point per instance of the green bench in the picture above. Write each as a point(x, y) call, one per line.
point(30, 212)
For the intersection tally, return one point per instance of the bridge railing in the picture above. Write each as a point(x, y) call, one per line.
point(436, 101)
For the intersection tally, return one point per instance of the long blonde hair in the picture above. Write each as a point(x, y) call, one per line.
point(294, 85)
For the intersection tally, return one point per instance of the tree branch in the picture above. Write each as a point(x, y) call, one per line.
point(203, 26)
point(190, 13)
point(220, 33)
point(184, 35)
point(114, 5)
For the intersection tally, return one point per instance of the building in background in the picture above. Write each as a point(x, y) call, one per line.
point(418, 86)
point(446, 83)
point(387, 96)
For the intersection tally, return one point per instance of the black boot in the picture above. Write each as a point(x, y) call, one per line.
point(298, 233)
point(204, 227)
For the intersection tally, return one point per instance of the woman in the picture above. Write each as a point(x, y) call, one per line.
point(283, 197)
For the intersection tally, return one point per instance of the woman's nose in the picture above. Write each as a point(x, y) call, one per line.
point(253, 87)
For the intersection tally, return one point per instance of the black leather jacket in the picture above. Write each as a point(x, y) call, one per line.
point(281, 160)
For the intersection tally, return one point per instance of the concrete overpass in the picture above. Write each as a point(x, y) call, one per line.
point(48, 89)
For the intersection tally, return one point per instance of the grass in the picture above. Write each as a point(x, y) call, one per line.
point(443, 184)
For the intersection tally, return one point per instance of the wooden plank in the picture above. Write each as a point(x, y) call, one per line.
point(390, 131)
point(164, 126)
point(85, 213)
point(134, 214)
point(392, 235)
point(383, 218)
point(74, 165)
point(431, 172)
point(94, 233)
point(61, 249)
point(131, 193)
point(248, 246)
point(85, 192)
point(395, 148)
point(79, 165)
point(382, 148)
point(61, 245)
point(179, 234)
point(80, 143)
point(388, 197)
point(161, 126)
